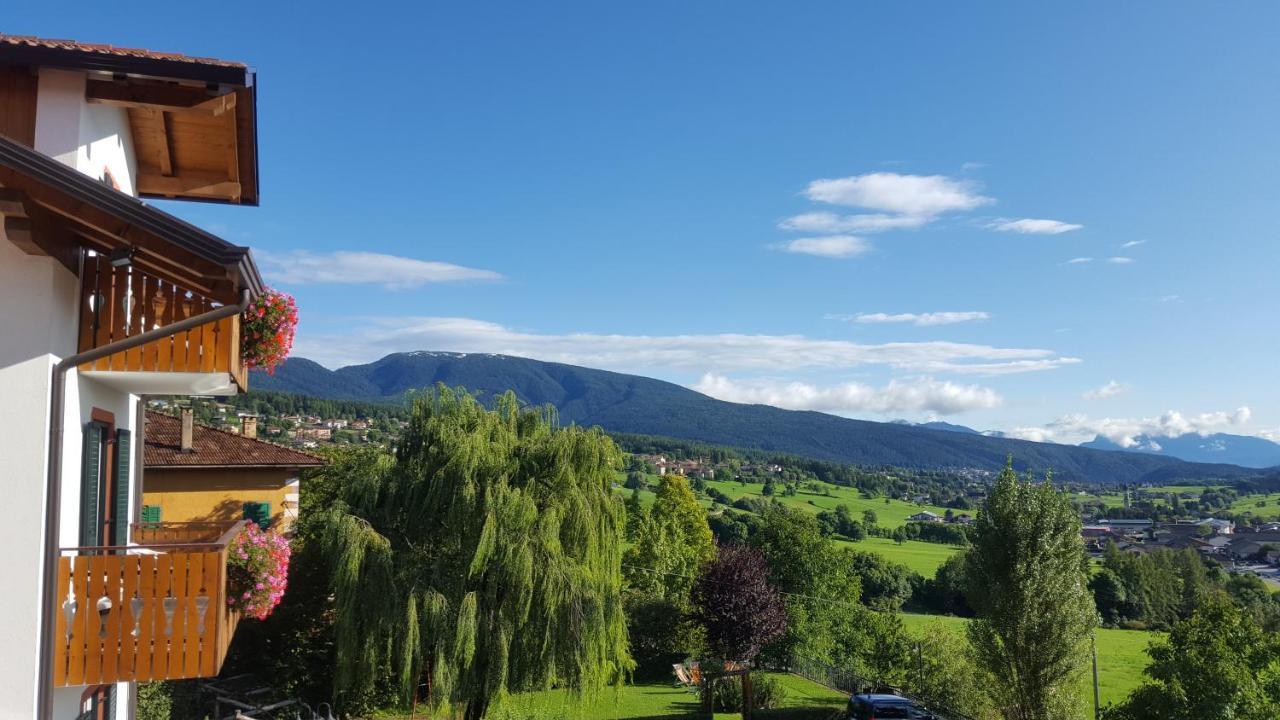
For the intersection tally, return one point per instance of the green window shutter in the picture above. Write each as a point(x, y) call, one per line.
point(259, 513)
point(90, 483)
point(150, 513)
point(120, 503)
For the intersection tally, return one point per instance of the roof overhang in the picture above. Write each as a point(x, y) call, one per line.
point(50, 208)
point(193, 121)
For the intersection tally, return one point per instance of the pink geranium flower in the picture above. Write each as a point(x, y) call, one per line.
point(267, 327)
point(257, 571)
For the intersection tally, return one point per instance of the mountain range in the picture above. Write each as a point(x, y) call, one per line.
point(633, 404)
point(1243, 450)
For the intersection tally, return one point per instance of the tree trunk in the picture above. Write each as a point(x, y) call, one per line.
point(475, 709)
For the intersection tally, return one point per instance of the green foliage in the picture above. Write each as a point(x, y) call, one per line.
point(825, 621)
point(673, 542)
point(1026, 581)
point(154, 702)
point(486, 557)
point(766, 693)
point(944, 593)
point(1216, 664)
point(661, 633)
point(947, 675)
point(1154, 589)
point(635, 513)
point(293, 649)
point(885, 585)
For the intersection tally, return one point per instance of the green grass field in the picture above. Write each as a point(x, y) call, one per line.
point(922, 557)
point(659, 701)
point(1121, 656)
point(889, 514)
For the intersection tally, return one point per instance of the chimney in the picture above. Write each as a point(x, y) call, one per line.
point(188, 430)
point(249, 426)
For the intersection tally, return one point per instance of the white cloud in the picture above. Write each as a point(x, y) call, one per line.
point(302, 267)
point(825, 222)
point(921, 319)
point(833, 246)
point(1132, 243)
point(1120, 260)
point(1171, 298)
point(374, 337)
point(1272, 434)
point(899, 396)
point(1079, 261)
point(1033, 226)
point(1111, 389)
point(914, 195)
point(1125, 431)
point(972, 166)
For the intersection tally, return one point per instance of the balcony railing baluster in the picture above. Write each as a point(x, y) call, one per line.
point(154, 611)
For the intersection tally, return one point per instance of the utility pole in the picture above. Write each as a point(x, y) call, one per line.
point(1093, 650)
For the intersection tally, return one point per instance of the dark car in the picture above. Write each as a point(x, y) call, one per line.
point(881, 706)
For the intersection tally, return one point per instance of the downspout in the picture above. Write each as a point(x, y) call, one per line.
point(53, 484)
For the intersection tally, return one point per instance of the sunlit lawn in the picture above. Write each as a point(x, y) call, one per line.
point(923, 557)
point(1121, 656)
point(659, 701)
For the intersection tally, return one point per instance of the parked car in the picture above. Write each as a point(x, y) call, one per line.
point(882, 706)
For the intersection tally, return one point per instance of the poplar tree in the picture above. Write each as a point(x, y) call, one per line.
point(673, 542)
point(486, 558)
point(1026, 580)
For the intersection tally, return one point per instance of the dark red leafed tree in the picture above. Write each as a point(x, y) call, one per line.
point(734, 601)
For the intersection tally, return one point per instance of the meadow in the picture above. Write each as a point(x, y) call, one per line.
point(804, 700)
point(1121, 656)
point(923, 557)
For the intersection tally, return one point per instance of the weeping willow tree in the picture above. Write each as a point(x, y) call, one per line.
point(485, 558)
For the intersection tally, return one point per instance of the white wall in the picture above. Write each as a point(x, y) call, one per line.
point(92, 138)
point(38, 324)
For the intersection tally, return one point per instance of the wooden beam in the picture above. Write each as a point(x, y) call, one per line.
point(183, 266)
point(216, 106)
point(200, 184)
point(233, 157)
point(166, 142)
point(33, 230)
point(166, 97)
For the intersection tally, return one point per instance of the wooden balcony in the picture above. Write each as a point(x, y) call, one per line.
point(117, 302)
point(152, 611)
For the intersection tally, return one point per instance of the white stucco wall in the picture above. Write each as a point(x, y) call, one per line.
point(38, 321)
point(92, 138)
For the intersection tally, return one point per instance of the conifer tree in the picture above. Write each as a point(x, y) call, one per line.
point(1026, 580)
point(486, 558)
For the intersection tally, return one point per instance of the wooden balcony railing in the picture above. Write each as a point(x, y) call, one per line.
point(117, 302)
point(155, 611)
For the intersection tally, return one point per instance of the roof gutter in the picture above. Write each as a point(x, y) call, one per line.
point(193, 69)
point(53, 482)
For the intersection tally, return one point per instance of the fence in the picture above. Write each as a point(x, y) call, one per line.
point(850, 682)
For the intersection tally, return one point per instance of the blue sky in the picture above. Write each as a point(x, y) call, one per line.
point(816, 205)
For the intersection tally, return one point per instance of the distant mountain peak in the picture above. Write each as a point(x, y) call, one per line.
point(1243, 450)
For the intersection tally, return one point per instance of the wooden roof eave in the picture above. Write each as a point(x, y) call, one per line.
point(109, 219)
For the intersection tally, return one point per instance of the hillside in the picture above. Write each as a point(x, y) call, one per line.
point(634, 404)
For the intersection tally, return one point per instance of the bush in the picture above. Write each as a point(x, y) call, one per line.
point(766, 693)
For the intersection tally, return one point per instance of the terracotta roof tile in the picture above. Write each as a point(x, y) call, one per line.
point(214, 448)
point(104, 49)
